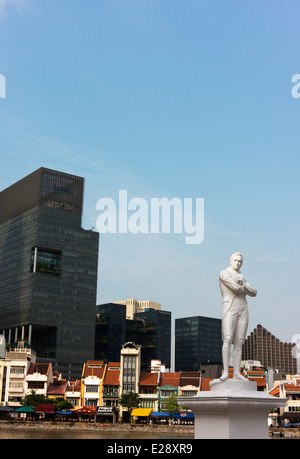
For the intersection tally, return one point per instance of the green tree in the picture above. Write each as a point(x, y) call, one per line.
point(171, 404)
point(130, 401)
point(62, 404)
point(33, 399)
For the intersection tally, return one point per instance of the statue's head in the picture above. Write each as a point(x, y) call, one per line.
point(236, 261)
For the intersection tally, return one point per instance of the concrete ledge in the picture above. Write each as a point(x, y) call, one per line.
point(230, 411)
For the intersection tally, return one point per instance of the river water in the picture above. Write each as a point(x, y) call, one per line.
point(9, 433)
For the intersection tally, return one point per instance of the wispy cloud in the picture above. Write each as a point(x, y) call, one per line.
point(18, 5)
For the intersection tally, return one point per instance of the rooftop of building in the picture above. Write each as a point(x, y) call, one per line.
point(169, 379)
point(57, 388)
point(41, 368)
point(190, 378)
point(148, 379)
point(112, 377)
point(93, 368)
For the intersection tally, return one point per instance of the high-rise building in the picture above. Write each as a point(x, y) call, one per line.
point(154, 336)
point(134, 306)
point(150, 329)
point(198, 340)
point(270, 351)
point(110, 334)
point(48, 269)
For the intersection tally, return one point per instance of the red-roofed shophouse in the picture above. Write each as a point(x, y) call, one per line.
point(39, 377)
point(111, 384)
point(93, 374)
point(57, 389)
point(168, 385)
point(290, 389)
point(148, 390)
point(73, 392)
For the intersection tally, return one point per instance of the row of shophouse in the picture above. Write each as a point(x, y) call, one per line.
point(102, 384)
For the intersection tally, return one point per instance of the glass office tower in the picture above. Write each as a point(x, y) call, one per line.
point(198, 340)
point(154, 336)
point(110, 332)
point(150, 329)
point(48, 269)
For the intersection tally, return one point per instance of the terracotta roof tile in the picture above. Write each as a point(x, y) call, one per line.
point(205, 384)
point(41, 368)
point(56, 389)
point(261, 382)
point(275, 391)
point(190, 378)
point(112, 378)
point(292, 388)
point(169, 379)
point(93, 370)
point(148, 379)
point(74, 386)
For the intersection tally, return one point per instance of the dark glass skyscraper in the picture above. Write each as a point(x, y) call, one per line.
point(198, 340)
point(110, 332)
point(48, 269)
point(155, 336)
point(150, 329)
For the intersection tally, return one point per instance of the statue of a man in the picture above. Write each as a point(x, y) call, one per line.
point(234, 289)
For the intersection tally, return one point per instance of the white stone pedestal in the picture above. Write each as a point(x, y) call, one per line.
point(232, 409)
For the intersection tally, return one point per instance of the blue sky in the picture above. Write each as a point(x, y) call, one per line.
point(167, 98)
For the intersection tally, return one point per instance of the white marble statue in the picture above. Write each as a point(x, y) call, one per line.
point(234, 289)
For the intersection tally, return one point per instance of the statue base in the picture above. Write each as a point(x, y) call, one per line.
point(232, 409)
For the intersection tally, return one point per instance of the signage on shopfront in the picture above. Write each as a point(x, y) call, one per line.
point(106, 409)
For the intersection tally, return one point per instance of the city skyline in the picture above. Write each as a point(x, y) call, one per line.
point(166, 99)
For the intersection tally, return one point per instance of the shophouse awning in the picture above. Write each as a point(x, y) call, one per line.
point(161, 414)
point(141, 412)
point(86, 410)
point(45, 408)
point(7, 409)
point(183, 415)
point(25, 409)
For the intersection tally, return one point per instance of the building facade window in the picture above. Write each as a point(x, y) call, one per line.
point(147, 403)
point(129, 373)
point(45, 261)
point(17, 370)
point(36, 385)
point(92, 388)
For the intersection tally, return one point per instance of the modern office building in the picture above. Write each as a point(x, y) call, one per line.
point(150, 329)
point(154, 336)
point(198, 340)
point(48, 269)
point(261, 345)
point(134, 306)
point(110, 332)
